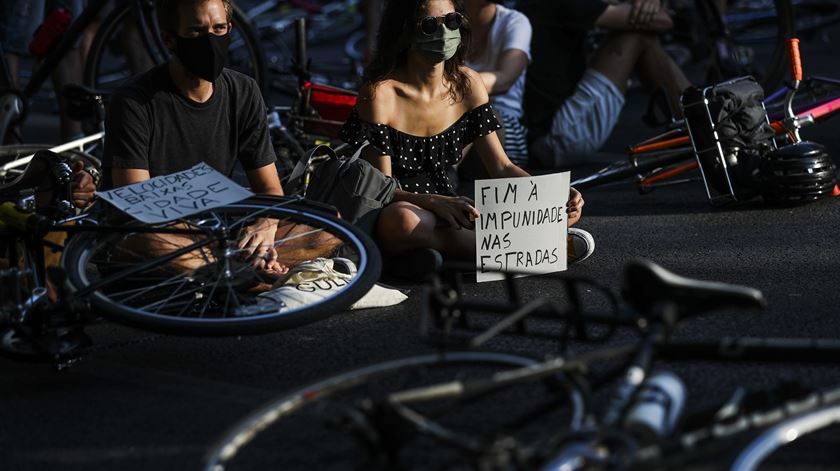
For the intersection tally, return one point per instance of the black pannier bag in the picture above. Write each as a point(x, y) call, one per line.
point(730, 133)
point(357, 189)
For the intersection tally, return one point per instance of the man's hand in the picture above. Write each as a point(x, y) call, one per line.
point(82, 186)
point(257, 243)
point(574, 207)
point(643, 12)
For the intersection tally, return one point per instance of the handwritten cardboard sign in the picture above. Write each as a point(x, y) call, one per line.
point(169, 197)
point(522, 226)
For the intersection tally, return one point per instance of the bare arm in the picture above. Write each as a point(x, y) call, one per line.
point(127, 176)
point(265, 180)
point(512, 64)
point(640, 15)
point(498, 164)
point(489, 147)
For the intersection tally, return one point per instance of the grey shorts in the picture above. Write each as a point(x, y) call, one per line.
point(20, 18)
point(582, 123)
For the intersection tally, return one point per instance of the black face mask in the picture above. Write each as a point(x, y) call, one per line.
point(205, 55)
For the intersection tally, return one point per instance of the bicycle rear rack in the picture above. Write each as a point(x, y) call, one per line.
point(714, 160)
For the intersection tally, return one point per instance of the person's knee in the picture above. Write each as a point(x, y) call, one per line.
point(400, 222)
point(651, 41)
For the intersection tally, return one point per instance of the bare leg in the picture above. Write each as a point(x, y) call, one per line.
point(620, 55)
point(13, 133)
point(617, 57)
point(404, 226)
point(13, 62)
point(68, 71)
point(657, 67)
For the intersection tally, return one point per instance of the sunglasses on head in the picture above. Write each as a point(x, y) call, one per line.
point(429, 24)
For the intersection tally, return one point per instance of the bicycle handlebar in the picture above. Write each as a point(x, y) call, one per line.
point(795, 59)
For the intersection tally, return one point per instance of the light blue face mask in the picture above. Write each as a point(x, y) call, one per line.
point(438, 47)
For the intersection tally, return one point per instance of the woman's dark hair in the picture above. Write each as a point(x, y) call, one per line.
point(396, 31)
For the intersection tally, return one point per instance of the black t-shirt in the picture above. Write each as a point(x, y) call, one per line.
point(153, 126)
point(558, 55)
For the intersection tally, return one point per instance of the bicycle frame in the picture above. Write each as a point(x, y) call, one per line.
point(654, 345)
point(807, 116)
point(75, 144)
point(658, 160)
point(595, 436)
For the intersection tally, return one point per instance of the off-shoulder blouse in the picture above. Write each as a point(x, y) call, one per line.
point(421, 163)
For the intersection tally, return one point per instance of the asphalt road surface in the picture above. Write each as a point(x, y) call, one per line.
point(159, 403)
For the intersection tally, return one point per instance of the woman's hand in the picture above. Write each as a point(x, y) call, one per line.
point(574, 207)
point(458, 211)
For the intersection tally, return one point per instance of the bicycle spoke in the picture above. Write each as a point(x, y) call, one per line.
point(171, 295)
point(186, 293)
point(143, 290)
point(282, 241)
point(210, 296)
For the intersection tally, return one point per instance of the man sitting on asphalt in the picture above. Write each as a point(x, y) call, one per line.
point(573, 104)
point(191, 109)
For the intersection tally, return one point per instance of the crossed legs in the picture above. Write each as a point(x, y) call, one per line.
point(403, 227)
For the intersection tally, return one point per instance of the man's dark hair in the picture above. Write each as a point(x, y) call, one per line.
point(167, 12)
point(396, 30)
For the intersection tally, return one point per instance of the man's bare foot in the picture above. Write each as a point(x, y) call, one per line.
point(274, 269)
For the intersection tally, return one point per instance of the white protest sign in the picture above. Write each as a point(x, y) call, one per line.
point(522, 226)
point(169, 197)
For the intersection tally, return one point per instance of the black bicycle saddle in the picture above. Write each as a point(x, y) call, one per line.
point(647, 285)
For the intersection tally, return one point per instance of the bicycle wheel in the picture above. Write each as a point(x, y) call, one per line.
point(777, 438)
point(333, 414)
point(758, 34)
point(118, 50)
point(12, 152)
point(195, 282)
point(115, 56)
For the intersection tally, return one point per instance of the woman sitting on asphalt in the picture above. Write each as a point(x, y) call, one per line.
point(419, 108)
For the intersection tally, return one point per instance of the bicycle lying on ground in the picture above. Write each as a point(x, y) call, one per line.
point(83, 104)
point(127, 42)
point(63, 270)
point(610, 406)
point(732, 167)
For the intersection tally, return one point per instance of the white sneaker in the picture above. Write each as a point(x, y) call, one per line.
point(581, 245)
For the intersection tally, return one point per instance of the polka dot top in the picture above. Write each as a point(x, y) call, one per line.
point(420, 163)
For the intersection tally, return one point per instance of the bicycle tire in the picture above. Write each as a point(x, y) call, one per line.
point(107, 37)
point(244, 55)
point(207, 291)
point(783, 434)
point(316, 398)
